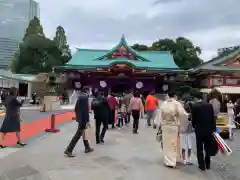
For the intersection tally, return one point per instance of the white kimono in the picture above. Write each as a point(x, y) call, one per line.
point(171, 113)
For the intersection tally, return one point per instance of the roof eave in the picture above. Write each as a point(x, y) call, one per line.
point(76, 67)
point(221, 59)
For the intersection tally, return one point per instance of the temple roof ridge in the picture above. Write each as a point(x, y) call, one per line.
point(124, 43)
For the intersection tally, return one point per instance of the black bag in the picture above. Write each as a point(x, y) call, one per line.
point(224, 134)
point(213, 147)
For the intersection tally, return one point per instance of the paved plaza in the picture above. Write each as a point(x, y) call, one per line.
point(124, 156)
point(31, 113)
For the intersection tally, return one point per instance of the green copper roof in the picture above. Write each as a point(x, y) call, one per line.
point(123, 42)
point(89, 58)
point(214, 63)
point(4, 74)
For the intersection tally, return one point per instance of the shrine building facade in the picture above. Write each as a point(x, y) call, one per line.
point(121, 68)
point(220, 71)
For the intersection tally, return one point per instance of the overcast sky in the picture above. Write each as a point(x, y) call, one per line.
point(210, 24)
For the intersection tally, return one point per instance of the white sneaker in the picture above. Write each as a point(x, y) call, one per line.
point(184, 162)
point(189, 161)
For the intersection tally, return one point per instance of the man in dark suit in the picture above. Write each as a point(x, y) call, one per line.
point(82, 118)
point(204, 123)
point(101, 111)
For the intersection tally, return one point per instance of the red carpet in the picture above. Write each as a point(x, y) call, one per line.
point(36, 127)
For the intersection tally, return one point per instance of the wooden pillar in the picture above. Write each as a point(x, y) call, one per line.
point(210, 82)
point(224, 80)
point(154, 86)
point(133, 82)
point(132, 90)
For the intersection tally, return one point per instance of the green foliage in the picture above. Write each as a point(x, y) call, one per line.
point(185, 54)
point(34, 28)
point(61, 41)
point(14, 64)
point(140, 47)
point(37, 53)
point(184, 91)
point(226, 52)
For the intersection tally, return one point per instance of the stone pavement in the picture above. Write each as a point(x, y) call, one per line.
point(124, 156)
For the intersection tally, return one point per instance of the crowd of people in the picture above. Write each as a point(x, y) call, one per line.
point(113, 111)
point(176, 121)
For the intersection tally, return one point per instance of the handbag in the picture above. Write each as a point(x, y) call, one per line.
point(88, 132)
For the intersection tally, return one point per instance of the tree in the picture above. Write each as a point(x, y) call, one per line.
point(140, 47)
point(61, 41)
point(37, 54)
point(185, 54)
point(14, 63)
point(34, 28)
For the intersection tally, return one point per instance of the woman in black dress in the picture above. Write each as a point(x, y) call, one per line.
point(11, 121)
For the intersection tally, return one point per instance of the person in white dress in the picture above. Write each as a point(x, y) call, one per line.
point(186, 134)
point(230, 112)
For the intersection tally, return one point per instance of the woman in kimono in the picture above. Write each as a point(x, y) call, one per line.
point(172, 112)
point(11, 121)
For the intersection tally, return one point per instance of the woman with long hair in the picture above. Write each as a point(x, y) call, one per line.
point(11, 121)
point(136, 108)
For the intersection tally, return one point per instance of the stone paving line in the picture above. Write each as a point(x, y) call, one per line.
point(124, 156)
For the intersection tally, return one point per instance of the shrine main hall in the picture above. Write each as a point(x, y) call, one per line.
point(121, 69)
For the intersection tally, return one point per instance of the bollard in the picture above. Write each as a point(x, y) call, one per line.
point(52, 128)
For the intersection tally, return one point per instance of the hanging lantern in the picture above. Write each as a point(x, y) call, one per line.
point(165, 87)
point(77, 85)
point(103, 84)
point(139, 85)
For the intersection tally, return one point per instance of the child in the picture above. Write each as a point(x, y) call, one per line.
point(186, 134)
point(121, 114)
